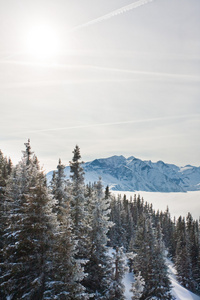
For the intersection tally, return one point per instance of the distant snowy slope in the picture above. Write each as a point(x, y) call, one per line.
point(133, 174)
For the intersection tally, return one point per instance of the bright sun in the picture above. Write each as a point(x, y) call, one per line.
point(43, 42)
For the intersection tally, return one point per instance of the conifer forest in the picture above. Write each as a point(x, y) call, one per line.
point(55, 238)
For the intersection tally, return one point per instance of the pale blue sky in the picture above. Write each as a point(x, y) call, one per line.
point(127, 85)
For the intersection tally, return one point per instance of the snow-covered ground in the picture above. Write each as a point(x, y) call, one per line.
point(178, 203)
point(179, 292)
point(128, 279)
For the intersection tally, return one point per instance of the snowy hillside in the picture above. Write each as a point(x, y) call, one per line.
point(133, 174)
point(179, 292)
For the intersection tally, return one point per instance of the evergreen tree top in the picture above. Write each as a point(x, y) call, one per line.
point(27, 153)
point(75, 166)
point(77, 154)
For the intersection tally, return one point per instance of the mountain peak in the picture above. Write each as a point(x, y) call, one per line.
point(131, 158)
point(134, 174)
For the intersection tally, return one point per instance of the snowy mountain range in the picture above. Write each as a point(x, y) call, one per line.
point(133, 174)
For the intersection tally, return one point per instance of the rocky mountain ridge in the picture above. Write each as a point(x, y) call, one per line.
point(133, 174)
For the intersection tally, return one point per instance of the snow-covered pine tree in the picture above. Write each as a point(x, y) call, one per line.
point(192, 231)
point(5, 170)
point(168, 229)
point(52, 185)
point(59, 189)
point(137, 287)
point(150, 262)
point(26, 230)
point(127, 222)
point(130, 256)
point(65, 272)
point(78, 204)
point(99, 265)
point(123, 229)
point(117, 234)
point(113, 232)
point(182, 259)
point(119, 268)
point(163, 284)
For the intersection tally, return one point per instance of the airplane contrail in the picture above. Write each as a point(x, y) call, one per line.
point(114, 13)
point(97, 20)
point(175, 117)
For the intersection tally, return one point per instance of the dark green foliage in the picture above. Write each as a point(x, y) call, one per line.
point(107, 192)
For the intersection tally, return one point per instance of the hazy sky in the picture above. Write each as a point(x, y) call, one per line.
point(115, 77)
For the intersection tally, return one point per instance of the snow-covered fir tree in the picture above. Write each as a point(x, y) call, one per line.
point(137, 287)
point(99, 265)
point(150, 262)
point(26, 230)
point(119, 268)
point(182, 258)
point(193, 237)
point(5, 171)
point(117, 234)
point(78, 204)
point(168, 229)
point(163, 284)
point(65, 273)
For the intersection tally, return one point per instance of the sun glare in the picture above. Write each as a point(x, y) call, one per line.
point(43, 42)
